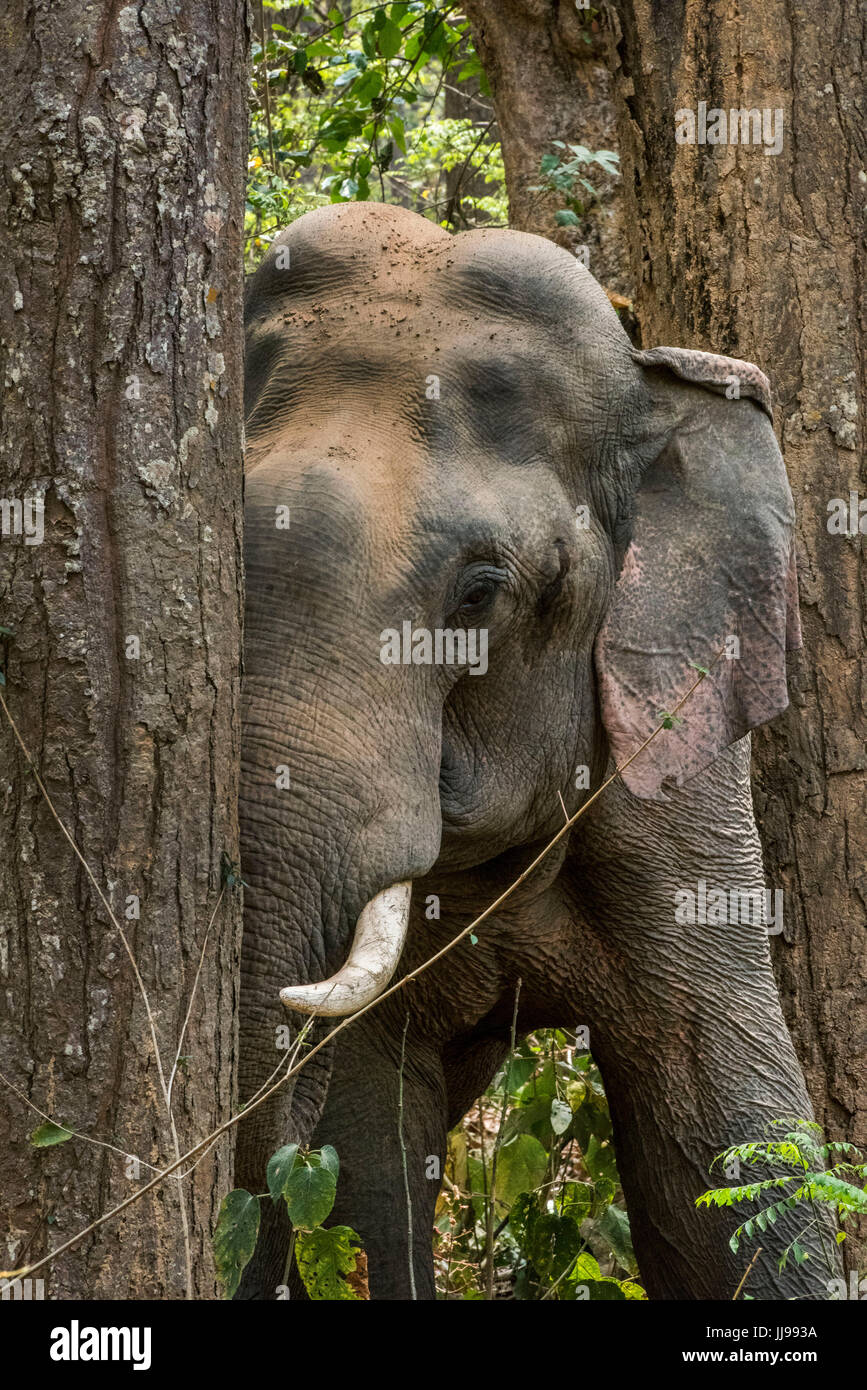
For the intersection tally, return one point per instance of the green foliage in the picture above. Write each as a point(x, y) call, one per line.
point(668, 721)
point(309, 1194)
point(437, 147)
point(809, 1183)
point(325, 1258)
point(230, 873)
point(521, 1167)
point(560, 1228)
point(350, 107)
point(567, 179)
point(49, 1134)
point(280, 1166)
point(307, 1182)
point(235, 1237)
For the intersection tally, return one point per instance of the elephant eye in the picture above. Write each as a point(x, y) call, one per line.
point(477, 591)
point(477, 596)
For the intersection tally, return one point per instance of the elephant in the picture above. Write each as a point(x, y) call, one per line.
point(452, 436)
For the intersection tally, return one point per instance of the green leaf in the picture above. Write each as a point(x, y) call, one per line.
point(561, 1116)
point(521, 1218)
point(299, 59)
point(235, 1237)
point(434, 33)
point(586, 1267)
point(577, 1200)
point(520, 1070)
point(389, 39)
point(328, 1159)
point(603, 1194)
point(604, 1290)
point(599, 1160)
point(324, 1259)
point(545, 1084)
point(565, 218)
point(368, 39)
point(280, 1165)
point(368, 87)
point(478, 1185)
point(530, 1116)
point(668, 721)
point(521, 1167)
point(309, 1194)
point(396, 127)
point(553, 1243)
point(48, 1135)
point(471, 69)
point(609, 160)
point(341, 128)
point(614, 1226)
point(633, 1291)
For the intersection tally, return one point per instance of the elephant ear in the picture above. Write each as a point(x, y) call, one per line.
point(708, 579)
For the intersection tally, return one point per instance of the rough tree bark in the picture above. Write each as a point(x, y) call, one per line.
point(546, 64)
point(763, 257)
point(123, 158)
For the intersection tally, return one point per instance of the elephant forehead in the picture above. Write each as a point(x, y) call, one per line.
point(451, 387)
point(376, 296)
point(355, 250)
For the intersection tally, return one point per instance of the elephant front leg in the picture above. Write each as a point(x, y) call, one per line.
point(688, 1032)
point(364, 1120)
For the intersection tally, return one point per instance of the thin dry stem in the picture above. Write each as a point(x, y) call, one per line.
point(345, 1023)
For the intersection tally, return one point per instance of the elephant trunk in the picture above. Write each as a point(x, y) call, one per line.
point(379, 936)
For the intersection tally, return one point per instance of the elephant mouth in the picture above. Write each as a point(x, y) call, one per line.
point(373, 956)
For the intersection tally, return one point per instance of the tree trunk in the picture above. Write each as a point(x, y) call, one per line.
point(762, 257)
point(546, 64)
point(123, 151)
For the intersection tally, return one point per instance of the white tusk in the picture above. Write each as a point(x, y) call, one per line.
point(379, 936)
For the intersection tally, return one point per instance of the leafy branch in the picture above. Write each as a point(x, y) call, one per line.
point(809, 1183)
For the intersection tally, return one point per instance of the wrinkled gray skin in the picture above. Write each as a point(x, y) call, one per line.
point(462, 510)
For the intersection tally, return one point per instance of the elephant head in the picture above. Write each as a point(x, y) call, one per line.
point(488, 543)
